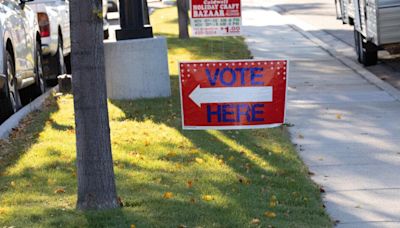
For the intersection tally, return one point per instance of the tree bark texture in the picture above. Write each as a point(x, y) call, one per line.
point(96, 182)
point(183, 18)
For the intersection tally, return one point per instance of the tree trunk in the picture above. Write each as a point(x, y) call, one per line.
point(96, 184)
point(183, 18)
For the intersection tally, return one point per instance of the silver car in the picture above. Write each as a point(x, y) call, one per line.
point(20, 55)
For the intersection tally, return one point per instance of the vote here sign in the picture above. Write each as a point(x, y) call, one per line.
point(215, 17)
point(233, 94)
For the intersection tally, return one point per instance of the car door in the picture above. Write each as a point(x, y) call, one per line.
point(64, 16)
point(16, 27)
point(28, 17)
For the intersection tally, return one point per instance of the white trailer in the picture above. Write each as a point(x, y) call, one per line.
point(376, 26)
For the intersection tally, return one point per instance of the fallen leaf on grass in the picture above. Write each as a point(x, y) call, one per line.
point(296, 194)
point(243, 179)
point(171, 154)
point(247, 166)
point(168, 195)
point(190, 184)
point(208, 198)
point(270, 214)
point(273, 201)
point(59, 191)
point(134, 154)
point(272, 204)
point(255, 221)
point(192, 200)
point(199, 160)
point(2, 211)
point(120, 202)
point(133, 226)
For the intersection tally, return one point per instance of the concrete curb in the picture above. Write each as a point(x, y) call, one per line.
point(13, 121)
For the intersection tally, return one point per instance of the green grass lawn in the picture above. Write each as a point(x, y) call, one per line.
point(166, 177)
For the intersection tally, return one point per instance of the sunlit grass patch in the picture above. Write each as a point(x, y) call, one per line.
point(166, 177)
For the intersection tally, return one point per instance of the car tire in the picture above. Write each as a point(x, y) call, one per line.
point(10, 101)
point(357, 45)
point(4, 106)
point(62, 68)
point(67, 61)
point(367, 52)
point(40, 85)
point(106, 34)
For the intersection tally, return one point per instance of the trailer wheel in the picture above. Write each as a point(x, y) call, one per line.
point(367, 52)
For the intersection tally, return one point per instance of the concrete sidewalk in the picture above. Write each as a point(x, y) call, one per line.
point(346, 128)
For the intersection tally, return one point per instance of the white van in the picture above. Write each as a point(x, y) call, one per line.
point(376, 26)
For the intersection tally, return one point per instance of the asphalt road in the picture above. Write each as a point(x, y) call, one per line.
point(321, 14)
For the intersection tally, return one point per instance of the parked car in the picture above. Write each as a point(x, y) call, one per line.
point(54, 24)
point(21, 65)
point(376, 26)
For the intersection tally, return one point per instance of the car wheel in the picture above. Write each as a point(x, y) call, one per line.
point(4, 106)
point(14, 100)
point(357, 45)
point(106, 34)
point(62, 69)
point(40, 86)
point(67, 61)
point(367, 52)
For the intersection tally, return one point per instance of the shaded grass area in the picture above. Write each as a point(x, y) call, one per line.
point(166, 177)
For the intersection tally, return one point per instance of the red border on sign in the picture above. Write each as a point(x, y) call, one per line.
point(207, 114)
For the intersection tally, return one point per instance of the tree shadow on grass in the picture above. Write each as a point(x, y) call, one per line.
point(261, 170)
point(25, 135)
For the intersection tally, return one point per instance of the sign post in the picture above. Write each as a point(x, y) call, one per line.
point(215, 17)
point(233, 94)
